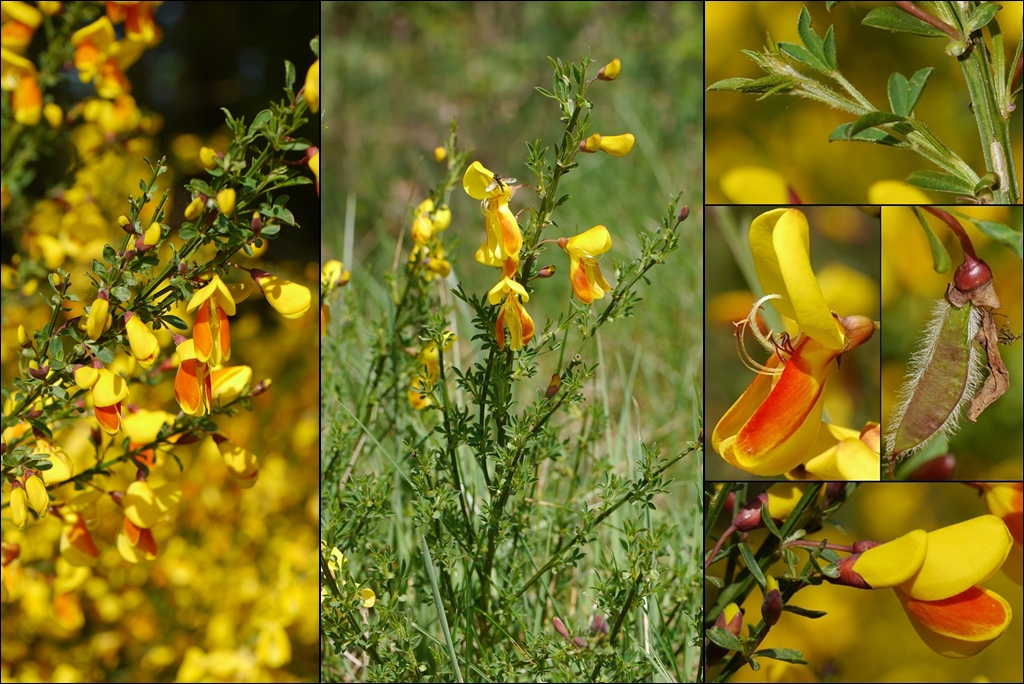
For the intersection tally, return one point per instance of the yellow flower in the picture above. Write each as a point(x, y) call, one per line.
point(230, 382)
point(312, 88)
point(440, 154)
point(99, 56)
point(139, 24)
point(512, 314)
point(27, 101)
point(19, 23)
point(192, 383)
point(145, 506)
point(773, 426)
point(290, 299)
point(226, 201)
point(108, 390)
point(241, 463)
point(587, 281)
point(615, 145)
point(504, 239)
point(143, 342)
point(935, 576)
point(334, 274)
point(211, 333)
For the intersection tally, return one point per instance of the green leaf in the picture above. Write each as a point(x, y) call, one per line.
point(805, 612)
point(724, 638)
point(830, 4)
point(104, 354)
point(874, 135)
point(895, 19)
point(289, 74)
point(873, 119)
point(981, 16)
point(767, 84)
point(41, 426)
point(808, 35)
point(804, 56)
point(941, 261)
point(55, 349)
point(904, 94)
point(174, 321)
point(789, 655)
point(187, 231)
point(751, 563)
point(121, 293)
point(714, 581)
point(829, 49)
point(314, 45)
point(941, 182)
point(109, 255)
point(766, 518)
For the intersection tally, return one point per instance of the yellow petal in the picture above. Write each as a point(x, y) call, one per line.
point(38, 498)
point(756, 185)
point(312, 91)
point(589, 243)
point(894, 562)
point(959, 626)
point(476, 180)
point(780, 243)
point(290, 299)
point(19, 506)
point(959, 557)
point(143, 342)
point(226, 201)
point(617, 145)
point(99, 319)
point(218, 291)
point(110, 388)
point(230, 383)
point(139, 505)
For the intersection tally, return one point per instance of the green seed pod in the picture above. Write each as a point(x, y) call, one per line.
point(942, 376)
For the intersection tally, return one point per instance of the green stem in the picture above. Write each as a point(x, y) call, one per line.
point(992, 129)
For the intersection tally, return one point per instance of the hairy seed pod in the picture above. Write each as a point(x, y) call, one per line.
point(942, 376)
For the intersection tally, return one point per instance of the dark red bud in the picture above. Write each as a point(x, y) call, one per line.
point(580, 642)
point(547, 271)
point(863, 545)
point(39, 373)
point(971, 274)
point(771, 607)
point(553, 386)
point(560, 628)
point(600, 625)
point(684, 213)
point(749, 516)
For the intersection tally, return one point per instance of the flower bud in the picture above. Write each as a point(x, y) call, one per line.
point(610, 71)
point(208, 157)
point(771, 605)
point(53, 114)
point(195, 208)
point(226, 201)
point(560, 628)
point(547, 271)
point(440, 154)
point(99, 317)
point(311, 89)
point(290, 299)
point(126, 225)
point(553, 386)
point(684, 213)
point(19, 506)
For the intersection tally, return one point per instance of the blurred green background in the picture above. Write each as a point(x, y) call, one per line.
point(992, 447)
point(790, 134)
point(844, 242)
point(394, 75)
point(866, 636)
